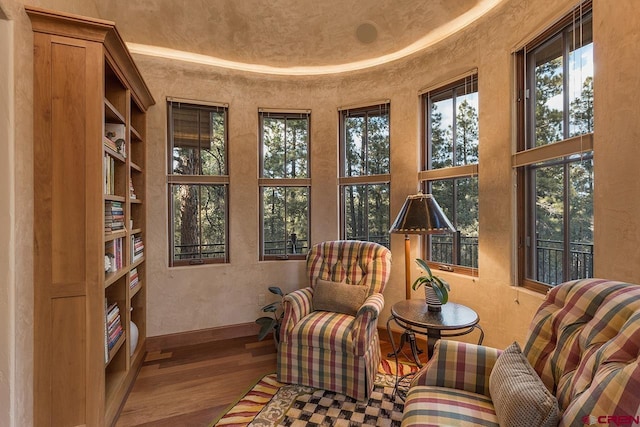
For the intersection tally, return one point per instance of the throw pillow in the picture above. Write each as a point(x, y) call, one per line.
point(519, 396)
point(338, 297)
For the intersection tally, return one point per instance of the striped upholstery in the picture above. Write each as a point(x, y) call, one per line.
point(443, 367)
point(583, 342)
point(335, 351)
point(441, 406)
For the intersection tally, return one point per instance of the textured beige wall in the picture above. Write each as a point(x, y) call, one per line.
point(183, 299)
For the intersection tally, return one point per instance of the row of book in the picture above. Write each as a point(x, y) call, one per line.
point(113, 327)
point(133, 278)
point(137, 248)
point(109, 169)
point(113, 216)
point(114, 251)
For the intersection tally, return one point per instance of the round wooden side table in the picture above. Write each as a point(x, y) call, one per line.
point(413, 316)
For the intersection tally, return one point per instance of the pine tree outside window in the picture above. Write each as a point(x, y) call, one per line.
point(198, 183)
point(554, 159)
point(450, 170)
point(365, 173)
point(285, 184)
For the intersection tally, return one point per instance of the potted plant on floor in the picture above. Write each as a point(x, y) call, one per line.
point(271, 323)
point(436, 288)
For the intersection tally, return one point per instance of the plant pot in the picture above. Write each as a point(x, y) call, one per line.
point(432, 300)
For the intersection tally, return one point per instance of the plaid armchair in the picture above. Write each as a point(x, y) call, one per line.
point(582, 350)
point(337, 349)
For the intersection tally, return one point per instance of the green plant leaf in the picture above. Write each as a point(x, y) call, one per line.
point(421, 281)
point(271, 307)
point(423, 265)
point(276, 290)
point(267, 325)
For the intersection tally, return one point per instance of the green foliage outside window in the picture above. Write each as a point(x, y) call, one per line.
point(198, 210)
point(285, 209)
point(560, 239)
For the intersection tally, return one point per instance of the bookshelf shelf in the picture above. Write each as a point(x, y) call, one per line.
point(111, 113)
point(115, 349)
point(135, 167)
point(135, 135)
point(90, 105)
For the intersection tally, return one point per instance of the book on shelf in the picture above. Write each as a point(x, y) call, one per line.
point(109, 174)
point(137, 247)
point(113, 216)
point(132, 192)
point(112, 327)
point(133, 278)
point(115, 132)
point(114, 251)
point(110, 144)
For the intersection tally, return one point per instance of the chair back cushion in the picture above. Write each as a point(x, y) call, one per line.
point(350, 261)
point(584, 342)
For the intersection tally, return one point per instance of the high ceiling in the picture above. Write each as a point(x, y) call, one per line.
point(304, 35)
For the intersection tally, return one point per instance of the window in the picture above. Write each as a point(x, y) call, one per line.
point(450, 169)
point(554, 159)
point(364, 177)
point(284, 184)
point(198, 183)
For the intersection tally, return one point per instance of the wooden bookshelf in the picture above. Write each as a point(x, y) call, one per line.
point(90, 105)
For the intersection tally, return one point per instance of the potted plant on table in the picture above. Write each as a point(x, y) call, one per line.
point(436, 288)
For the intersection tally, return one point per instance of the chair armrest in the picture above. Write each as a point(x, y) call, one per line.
point(365, 323)
point(295, 306)
point(459, 365)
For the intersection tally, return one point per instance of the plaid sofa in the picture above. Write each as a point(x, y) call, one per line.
point(331, 350)
point(583, 344)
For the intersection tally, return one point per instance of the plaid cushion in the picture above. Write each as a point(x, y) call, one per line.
point(439, 406)
point(459, 365)
point(584, 342)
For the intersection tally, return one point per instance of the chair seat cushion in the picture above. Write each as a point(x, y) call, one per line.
point(324, 329)
point(441, 406)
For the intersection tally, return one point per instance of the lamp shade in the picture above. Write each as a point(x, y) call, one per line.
point(421, 214)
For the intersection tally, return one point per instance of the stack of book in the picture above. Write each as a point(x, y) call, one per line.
point(113, 326)
point(113, 216)
point(133, 278)
point(137, 248)
point(115, 137)
point(110, 144)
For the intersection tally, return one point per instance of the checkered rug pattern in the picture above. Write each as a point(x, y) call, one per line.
point(325, 408)
point(270, 403)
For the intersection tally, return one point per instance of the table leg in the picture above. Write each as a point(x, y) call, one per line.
point(433, 335)
point(408, 336)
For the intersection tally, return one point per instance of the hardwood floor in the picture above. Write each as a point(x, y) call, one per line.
point(192, 385)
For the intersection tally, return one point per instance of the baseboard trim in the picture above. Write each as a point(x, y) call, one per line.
point(161, 342)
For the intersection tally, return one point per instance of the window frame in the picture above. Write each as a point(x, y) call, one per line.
point(365, 180)
point(286, 182)
point(528, 157)
point(198, 179)
point(427, 175)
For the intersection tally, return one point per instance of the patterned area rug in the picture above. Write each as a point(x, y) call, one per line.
point(271, 403)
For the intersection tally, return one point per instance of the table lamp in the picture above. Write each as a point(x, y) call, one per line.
point(420, 214)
